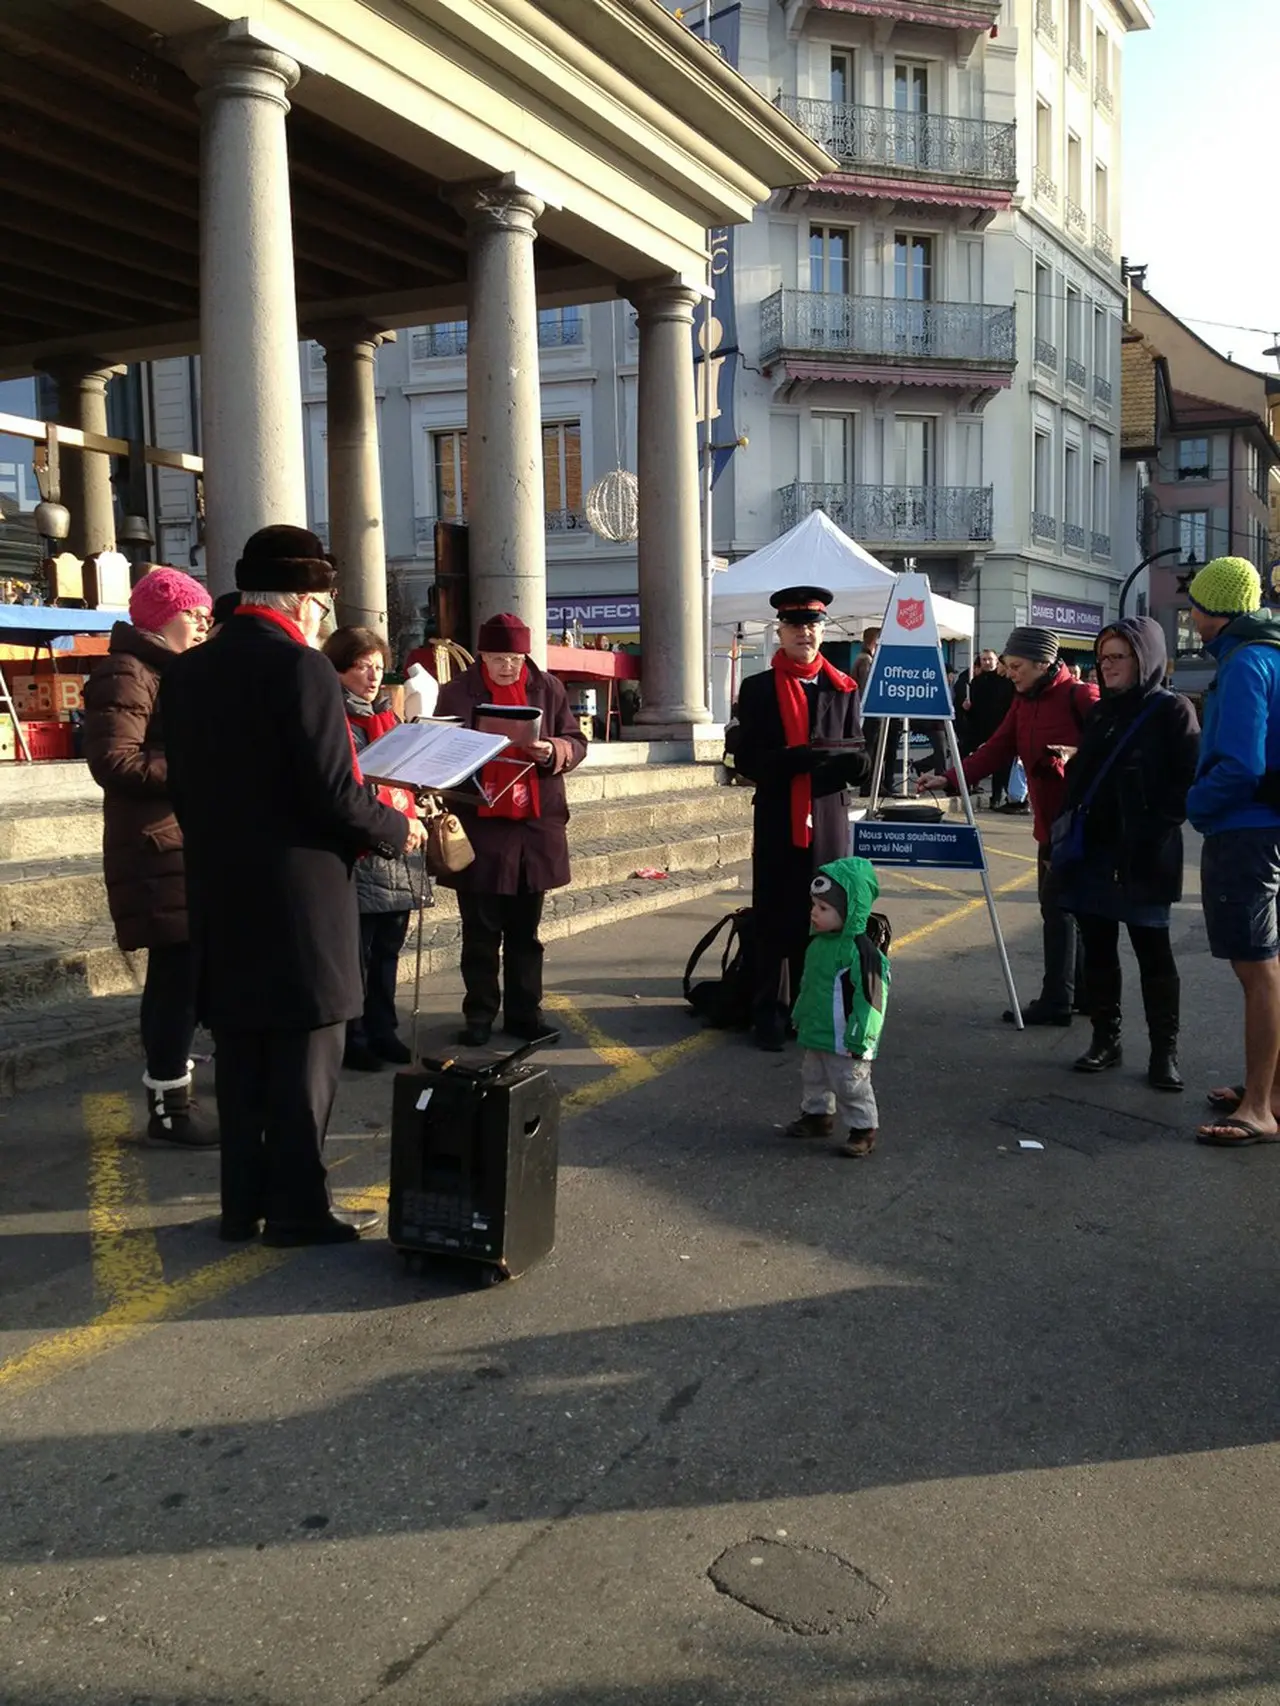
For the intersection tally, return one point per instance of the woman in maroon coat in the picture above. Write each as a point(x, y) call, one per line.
point(520, 842)
point(141, 843)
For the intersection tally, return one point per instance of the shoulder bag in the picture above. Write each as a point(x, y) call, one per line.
point(1066, 838)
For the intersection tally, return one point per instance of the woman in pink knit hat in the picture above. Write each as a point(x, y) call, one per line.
point(169, 612)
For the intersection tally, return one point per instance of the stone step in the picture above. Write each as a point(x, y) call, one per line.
point(666, 813)
point(607, 782)
point(53, 830)
point(52, 895)
point(69, 1039)
point(598, 863)
point(40, 970)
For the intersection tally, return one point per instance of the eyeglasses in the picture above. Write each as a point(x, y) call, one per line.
point(1115, 657)
point(325, 606)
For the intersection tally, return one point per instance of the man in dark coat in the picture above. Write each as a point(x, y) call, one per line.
point(783, 719)
point(520, 842)
point(274, 815)
point(986, 705)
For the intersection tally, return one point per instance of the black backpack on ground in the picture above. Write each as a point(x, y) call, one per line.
point(725, 1003)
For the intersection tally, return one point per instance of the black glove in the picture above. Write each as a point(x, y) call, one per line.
point(798, 760)
point(854, 767)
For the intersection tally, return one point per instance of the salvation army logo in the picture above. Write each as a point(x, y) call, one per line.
point(911, 614)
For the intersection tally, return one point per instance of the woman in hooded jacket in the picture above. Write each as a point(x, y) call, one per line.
point(1128, 784)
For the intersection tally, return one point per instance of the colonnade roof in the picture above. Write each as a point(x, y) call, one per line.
point(633, 132)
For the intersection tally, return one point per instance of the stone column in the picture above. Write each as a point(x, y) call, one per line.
point(85, 474)
point(670, 546)
point(506, 512)
point(251, 395)
point(356, 535)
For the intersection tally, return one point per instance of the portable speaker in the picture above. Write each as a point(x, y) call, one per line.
point(474, 1155)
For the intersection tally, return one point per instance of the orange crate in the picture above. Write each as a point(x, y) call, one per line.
point(49, 740)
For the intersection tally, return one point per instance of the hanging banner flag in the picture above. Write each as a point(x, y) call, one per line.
point(908, 676)
point(719, 329)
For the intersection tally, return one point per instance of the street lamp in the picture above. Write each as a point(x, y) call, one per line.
point(53, 523)
point(1169, 551)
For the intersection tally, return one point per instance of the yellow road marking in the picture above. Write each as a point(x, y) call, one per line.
point(934, 888)
point(126, 1260)
point(1026, 858)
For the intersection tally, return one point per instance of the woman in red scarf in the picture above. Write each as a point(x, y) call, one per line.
point(782, 719)
point(520, 839)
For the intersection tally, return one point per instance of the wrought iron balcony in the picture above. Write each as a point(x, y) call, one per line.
point(1045, 25)
point(1102, 390)
point(1075, 220)
point(1046, 354)
point(567, 521)
point(896, 515)
point(1076, 374)
point(1073, 536)
point(928, 145)
point(882, 328)
point(557, 329)
point(1103, 247)
point(1102, 96)
point(1102, 546)
point(1045, 187)
point(1043, 526)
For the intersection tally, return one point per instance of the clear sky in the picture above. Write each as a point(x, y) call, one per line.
point(1201, 108)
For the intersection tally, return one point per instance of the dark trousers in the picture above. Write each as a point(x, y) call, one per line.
point(1000, 784)
point(1063, 952)
point(780, 910)
point(382, 936)
point(168, 1015)
point(1151, 947)
point(275, 1093)
point(891, 782)
point(506, 923)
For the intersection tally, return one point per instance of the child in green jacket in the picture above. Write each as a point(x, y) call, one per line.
point(841, 1007)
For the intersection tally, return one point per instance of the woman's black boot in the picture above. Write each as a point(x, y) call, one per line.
point(1161, 997)
point(1103, 1051)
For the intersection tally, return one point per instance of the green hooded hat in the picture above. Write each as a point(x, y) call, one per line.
point(845, 988)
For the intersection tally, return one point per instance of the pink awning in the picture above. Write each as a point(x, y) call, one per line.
point(906, 11)
point(901, 189)
point(964, 378)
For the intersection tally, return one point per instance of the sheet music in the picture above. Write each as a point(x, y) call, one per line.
point(428, 755)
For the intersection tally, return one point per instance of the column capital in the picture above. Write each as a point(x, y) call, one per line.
point(665, 299)
point(231, 63)
point(89, 372)
point(362, 337)
point(497, 205)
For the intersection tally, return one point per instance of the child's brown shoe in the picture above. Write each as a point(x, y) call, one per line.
point(859, 1145)
point(811, 1125)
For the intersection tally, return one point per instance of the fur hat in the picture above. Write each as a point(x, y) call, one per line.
point(504, 633)
point(1228, 586)
point(161, 595)
point(835, 894)
point(284, 559)
point(1037, 645)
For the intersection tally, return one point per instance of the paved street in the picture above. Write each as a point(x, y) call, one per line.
point(964, 1423)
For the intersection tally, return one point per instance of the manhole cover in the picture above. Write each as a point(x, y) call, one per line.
point(800, 1588)
point(1083, 1126)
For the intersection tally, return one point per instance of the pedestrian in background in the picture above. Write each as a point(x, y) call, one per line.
point(1042, 728)
point(384, 888)
point(1127, 785)
point(142, 856)
point(520, 840)
point(275, 815)
point(1235, 804)
point(986, 705)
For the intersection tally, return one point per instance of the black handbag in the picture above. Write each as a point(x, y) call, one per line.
point(1066, 837)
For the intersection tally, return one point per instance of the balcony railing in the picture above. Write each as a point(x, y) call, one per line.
point(1046, 354)
point(925, 144)
point(1103, 97)
point(1076, 373)
point(1073, 536)
point(567, 521)
point(1045, 25)
point(885, 329)
point(1075, 60)
point(1103, 247)
point(1102, 390)
point(1075, 220)
point(1043, 526)
point(916, 515)
point(1045, 187)
point(557, 329)
point(1102, 546)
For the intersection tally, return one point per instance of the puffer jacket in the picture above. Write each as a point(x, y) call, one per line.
point(845, 988)
point(1241, 744)
point(382, 885)
point(142, 859)
point(1053, 713)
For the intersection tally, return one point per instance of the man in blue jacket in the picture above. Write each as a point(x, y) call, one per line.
point(1235, 804)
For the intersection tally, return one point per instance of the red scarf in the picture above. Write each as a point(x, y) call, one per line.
point(295, 633)
point(793, 706)
point(517, 799)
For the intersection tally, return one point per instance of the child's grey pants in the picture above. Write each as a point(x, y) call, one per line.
point(837, 1084)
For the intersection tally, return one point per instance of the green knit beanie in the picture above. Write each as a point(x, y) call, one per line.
point(1228, 586)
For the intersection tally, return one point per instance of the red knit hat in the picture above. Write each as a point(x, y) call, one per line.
point(161, 595)
point(504, 633)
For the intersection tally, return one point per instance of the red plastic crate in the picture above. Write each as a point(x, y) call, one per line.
point(49, 740)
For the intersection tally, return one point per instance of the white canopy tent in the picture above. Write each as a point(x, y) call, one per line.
point(816, 553)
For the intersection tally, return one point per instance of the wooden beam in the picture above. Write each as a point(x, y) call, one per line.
point(150, 278)
point(81, 109)
point(18, 302)
point(43, 142)
point(19, 426)
point(325, 213)
point(38, 287)
point(123, 212)
point(82, 47)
